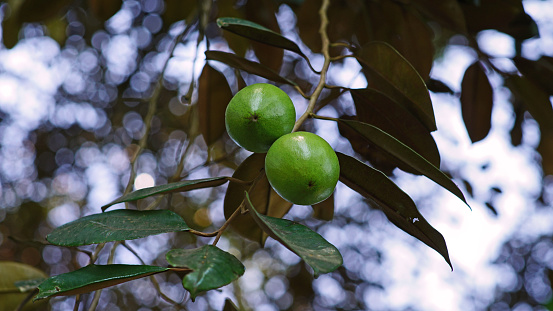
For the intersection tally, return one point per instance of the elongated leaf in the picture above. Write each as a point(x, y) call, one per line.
point(93, 277)
point(317, 252)
point(390, 73)
point(258, 33)
point(181, 186)
point(447, 13)
point(247, 65)
point(262, 195)
point(16, 279)
point(534, 98)
point(229, 305)
point(476, 102)
point(214, 95)
point(376, 108)
point(116, 225)
point(404, 154)
point(396, 204)
point(538, 71)
point(211, 268)
point(325, 209)
point(263, 12)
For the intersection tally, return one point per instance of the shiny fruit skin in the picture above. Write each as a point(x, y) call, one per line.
point(258, 115)
point(302, 168)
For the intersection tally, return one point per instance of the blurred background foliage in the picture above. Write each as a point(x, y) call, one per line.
point(72, 120)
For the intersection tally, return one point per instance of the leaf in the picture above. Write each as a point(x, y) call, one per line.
point(447, 13)
point(539, 72)
point(534, 99)
point(229, 305)
point(248, 66)
point(93, 277)
point(14, 276)
point(317, 252)
point(117, 225)
point(438, 86)
point(258, 33)
point(325, 209)
point(476, 102)
point(390, 73)
point(263, 12)
point(181, 186)
point(545, 148)
point(404, 154)
point(214, 95)
point(507, 16)
point(405, 31)
point(261, 193)
point(39, 11)
point(377, 109)
point(211, 268)
point(396, 204)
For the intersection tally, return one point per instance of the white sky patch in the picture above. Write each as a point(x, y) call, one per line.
point(143, 180)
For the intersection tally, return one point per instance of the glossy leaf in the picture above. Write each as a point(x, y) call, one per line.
point(317, 252)
point(376, 108)
point(390, 73)
point(211, 268)
point(247, 65)
point(117, 225)
point(93, 277)
point(262, 194)
point(476, 102)
point(404, 154)
point(16, 280)
point(181, 186)
point(214, 95)
point(384, 194)
point(535, 99)
point(258, 33)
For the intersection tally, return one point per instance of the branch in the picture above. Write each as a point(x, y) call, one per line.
point(324, 70)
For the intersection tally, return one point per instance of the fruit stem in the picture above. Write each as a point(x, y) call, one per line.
point(326, 65)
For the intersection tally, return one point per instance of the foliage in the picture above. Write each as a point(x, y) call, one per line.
point(146, 112)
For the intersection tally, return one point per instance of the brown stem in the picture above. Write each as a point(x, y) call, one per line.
point(324, 70)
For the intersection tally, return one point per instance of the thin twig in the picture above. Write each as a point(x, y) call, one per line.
point(326, 65)
point(226, 224)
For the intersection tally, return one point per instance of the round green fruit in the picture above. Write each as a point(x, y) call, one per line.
point(302, 168)
point(258, 115)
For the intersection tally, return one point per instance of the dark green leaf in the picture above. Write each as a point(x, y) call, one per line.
point(93, 277)
point(317, 252)
point(390, 73)
point(535, 99)
point(211, 267)
point(262, 195)
point(258, 33)
point(181, 186)
point(247, 65)
point(404, 154)
point(214, 95)
point(476, 102)
point(396, 204)
point(377, 109)
point(116, 225)
point(29, 285)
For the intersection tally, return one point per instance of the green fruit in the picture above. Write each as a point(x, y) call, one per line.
point(258, 115)
point(302, 168)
